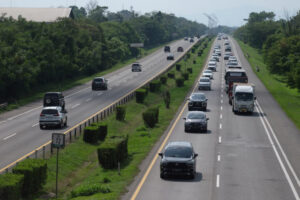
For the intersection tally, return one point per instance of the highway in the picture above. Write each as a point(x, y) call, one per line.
point(19, 129)
point(241, 157)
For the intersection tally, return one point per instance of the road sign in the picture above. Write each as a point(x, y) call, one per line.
point(58, 140)
point(137, 45)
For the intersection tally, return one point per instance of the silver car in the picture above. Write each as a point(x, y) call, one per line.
point(204, 83)
point(208, 73)
point(53, 116)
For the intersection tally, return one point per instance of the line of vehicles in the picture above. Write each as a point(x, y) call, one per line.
point(179, 157)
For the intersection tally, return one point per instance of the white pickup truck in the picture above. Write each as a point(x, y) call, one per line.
point(243, 97)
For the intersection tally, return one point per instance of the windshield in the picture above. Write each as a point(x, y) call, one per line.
point(240, 96)
point(179, 152)
point(196, 116)
point(198, 97)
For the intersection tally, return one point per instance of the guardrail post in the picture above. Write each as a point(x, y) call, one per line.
point(51, 149)
point(6, 170)
point(36, 154)
point(70, 135)
point(44, 153)
point(80, 129)
point(75, 132)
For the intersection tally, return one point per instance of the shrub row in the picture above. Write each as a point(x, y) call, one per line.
point(150, 117)
point(140, 95)
point(154, 86)
point(180, 82)
point(121, 112)
point(112, 151)
point(163, 80)
point(11, 186)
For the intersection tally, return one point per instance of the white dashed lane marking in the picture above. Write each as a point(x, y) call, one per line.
point(9, 136)
point(76, 105)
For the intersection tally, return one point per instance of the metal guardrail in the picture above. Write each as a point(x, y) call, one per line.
point(45, 151)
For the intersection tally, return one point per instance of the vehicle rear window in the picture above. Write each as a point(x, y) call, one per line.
point(49, 112)
point(51, 96)
point(99, 80)
point(179, 152)
point(204, 80)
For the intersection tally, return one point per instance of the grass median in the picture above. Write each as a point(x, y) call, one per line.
point(288, 99)
point(78, 162)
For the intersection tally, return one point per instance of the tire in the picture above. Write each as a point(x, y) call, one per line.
point(162, 176)
point(192, 176)
point(41, 127)
point(61, 124)
point(185, 130)
point(66, 122)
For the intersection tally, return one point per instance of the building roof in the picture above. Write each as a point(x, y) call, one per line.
point(37, 14)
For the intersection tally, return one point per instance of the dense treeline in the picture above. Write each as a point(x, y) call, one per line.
point(32, 55)
point(279, 41)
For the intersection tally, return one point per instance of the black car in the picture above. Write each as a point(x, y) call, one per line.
point(228, 49)
point(99, 83)
point(170, 57)
point(178, 159)
point(191, 40)
point(54, 99)
point(195, 121)
point(197, 101)
point(179, 49)
point(167, 49)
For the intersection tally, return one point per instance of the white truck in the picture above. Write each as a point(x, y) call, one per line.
point(243, 97)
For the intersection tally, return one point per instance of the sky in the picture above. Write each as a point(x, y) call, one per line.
point(227, 12)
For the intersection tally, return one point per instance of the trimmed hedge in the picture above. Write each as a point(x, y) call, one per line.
point(35, 175)
point(11, 186)
point(188, 55)
point(171, 75)
point(194, 61)
point(120, 114)
point(167, 98)
point(178, 67)
point(190, 70)
point(154, 86)
point(102, 130)
point(91, 134)
point(180, 82)
point(163, 80)
point(140, 95)
point(150, 117)
point(112, 151)
point(185, 75)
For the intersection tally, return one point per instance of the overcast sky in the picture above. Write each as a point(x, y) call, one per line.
point(228, 12)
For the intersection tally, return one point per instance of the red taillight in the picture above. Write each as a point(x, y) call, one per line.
point(42, 115)
point(56, 114)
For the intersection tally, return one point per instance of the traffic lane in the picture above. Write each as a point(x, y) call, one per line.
point(19, 116)
point(286, 131)
point(204, 144)
point(82, 113)
point(249, 166)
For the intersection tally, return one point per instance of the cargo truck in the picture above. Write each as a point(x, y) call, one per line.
point(243, 97)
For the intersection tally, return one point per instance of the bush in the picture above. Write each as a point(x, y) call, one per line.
point(140, 95)
point(11, 186)
point(193, 50)
point(171, 75)
point(185, 75)
point(89, 189)
point(188, 55)
point(112, 151)
point(35, 175)
point(178, 67)
point(190, 70)
point(194, 61)
point(150, 117)
point(154, 86)
point(91, 134)
point(180, 82)
point(163, 80)
point(121, 111)
point(141, 128)
point(167, 98)
point(102, 131)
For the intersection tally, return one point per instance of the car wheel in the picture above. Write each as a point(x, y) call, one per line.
point(61, 124)
point(192, 176)
point(186, 130)
point(66, 122)
point(162, 176)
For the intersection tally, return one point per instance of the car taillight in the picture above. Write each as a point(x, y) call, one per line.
point(42, 115)
point(56, 114)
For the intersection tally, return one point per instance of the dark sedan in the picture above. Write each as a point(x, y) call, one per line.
point(178, 159)
point(197, 101)
point(195, 121)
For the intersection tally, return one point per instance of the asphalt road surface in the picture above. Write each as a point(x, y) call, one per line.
point(241, 157)
point(19, 129)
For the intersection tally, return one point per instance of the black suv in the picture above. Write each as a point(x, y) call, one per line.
point(99, 83)
point(54, 99)
point(178, 158)
point(167, 49)
point(197, 101)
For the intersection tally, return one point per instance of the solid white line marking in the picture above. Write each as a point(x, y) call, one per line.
point(220, 126)
point(88, 99)
point(220, 139)
point(11, 118)
point(219, 158)
point(35, 125)
point(9, 136)
point(279, 145)
point(262, 118)
point(221, 116)
point(218, 181)
point(75, 106)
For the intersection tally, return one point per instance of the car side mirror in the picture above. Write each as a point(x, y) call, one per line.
point(188, 98)
point(160, 154)
point(254, 98)
point(195, 155)
point(184, 118)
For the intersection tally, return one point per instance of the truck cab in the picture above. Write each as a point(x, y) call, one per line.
point(243, 97)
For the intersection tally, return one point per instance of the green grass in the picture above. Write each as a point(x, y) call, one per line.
point(288, 99)
point(78, 161)
point(65, 85)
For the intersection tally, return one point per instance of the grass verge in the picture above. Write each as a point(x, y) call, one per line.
point(288, 99)
point(78, 161)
